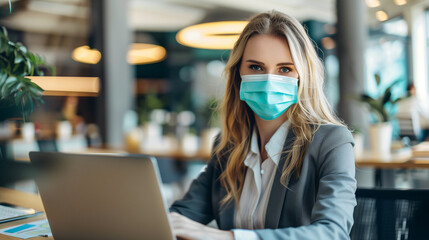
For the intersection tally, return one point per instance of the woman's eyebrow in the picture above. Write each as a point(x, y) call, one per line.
point(261, 63)
point(254, 61)
point(285, 63)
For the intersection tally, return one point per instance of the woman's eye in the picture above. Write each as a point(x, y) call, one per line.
point(255, 67)
point(285, 69)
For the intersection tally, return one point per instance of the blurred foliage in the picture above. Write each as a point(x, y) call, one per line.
point(16, 62)
point(209, 113)
point(378, 106)
point(147, 104)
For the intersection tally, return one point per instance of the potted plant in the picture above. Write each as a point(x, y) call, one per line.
point(18, 94)
point(380, 132)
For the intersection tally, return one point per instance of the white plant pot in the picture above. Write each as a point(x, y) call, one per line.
point(27, 131)
point(380, 137)
point(64, 130)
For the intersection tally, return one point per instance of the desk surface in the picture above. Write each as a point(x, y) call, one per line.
point(25, 200)
point(398, 159)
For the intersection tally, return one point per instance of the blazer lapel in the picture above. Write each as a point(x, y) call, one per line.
point(227, 213)
point(278, 191)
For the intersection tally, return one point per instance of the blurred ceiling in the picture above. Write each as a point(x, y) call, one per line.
point(56, 27)
point(172, 15)
point(71, 17)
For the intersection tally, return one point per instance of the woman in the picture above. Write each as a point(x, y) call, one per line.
point(283, 166)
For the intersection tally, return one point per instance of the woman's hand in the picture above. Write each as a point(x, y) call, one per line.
point(185, 228)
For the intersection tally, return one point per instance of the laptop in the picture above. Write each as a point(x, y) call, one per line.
point(102, 196)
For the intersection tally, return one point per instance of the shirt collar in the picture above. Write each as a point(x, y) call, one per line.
point(274, 147)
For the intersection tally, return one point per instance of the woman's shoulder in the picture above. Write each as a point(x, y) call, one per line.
point(331, 135)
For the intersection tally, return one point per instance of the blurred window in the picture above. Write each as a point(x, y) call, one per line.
point(427, 39)
point(387, 55)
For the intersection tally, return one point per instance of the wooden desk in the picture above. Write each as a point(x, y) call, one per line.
point(25, 200)
point(400, 159)
point(384, 173)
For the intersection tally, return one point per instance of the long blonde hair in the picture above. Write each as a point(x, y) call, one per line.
point(311, 110)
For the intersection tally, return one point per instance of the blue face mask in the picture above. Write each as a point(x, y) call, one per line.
point(268, 95)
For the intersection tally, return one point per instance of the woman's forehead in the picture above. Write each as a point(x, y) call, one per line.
point(267, 48)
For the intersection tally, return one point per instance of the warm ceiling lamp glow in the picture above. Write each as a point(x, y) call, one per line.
point(68, 86)
point(373, 3)
point(400, 2)
point(214, 35)
point(86, 55)
point(381, 16)
point(143, 53)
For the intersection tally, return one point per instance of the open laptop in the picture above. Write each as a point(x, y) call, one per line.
point(102, 196)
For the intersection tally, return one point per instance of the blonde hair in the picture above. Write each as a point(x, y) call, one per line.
point(311, 110)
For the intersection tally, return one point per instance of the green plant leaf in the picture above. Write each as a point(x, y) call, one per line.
point(4, 31)
point(35, 86)
point(366, 98)
point(388, 92)
point(3, 43)
point(18, 98)
point(374, 106)
point(15, 87)
point(397, 100)
point(5, 87)
point(28, 106)
point(19, 69)
point(377, 79)
point(18, 58)
point(22, 48)
point(16, 62)
point(386, 98)
point(3, 77)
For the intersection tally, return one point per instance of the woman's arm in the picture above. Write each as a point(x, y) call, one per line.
point(196, 204)
point(185, 228)
point(332, 213)
point(195, 209)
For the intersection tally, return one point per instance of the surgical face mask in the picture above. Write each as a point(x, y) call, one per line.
point(268, 95)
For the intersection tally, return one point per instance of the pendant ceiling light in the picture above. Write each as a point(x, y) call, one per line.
point(144, 53)
point(213, 35)
point(86, 55)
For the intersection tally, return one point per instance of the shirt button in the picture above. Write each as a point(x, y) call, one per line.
point(262, 171)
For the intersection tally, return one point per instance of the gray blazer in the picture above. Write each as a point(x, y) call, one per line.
point(317, 205)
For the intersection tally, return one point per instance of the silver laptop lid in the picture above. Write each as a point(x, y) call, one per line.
point(101, 196)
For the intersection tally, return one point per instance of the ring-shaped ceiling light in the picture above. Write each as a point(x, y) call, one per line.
point(143, 53)
point(214, 35)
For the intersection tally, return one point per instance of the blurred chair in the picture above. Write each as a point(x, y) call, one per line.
point(391, 214)
point(47, 145)
point(13, 171)
point(409, 127)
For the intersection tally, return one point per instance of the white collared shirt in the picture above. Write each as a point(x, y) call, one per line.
point(258, 181)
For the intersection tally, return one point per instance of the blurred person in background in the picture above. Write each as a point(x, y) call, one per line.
point(283, 166)
point(412, 106)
